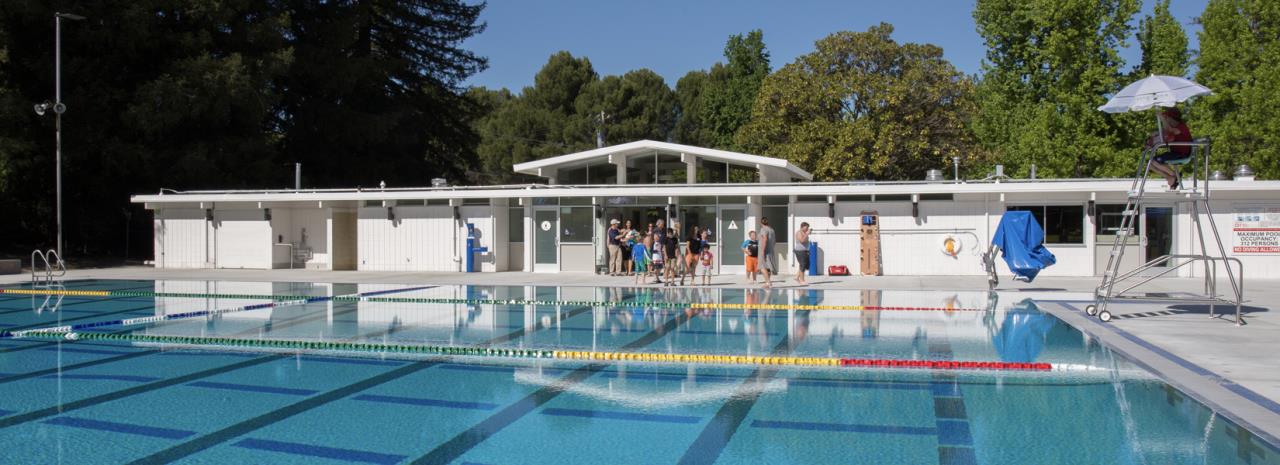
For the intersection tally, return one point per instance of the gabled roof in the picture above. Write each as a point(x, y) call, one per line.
point(642, 146)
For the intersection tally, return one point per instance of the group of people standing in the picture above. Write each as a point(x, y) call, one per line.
point(657, 251)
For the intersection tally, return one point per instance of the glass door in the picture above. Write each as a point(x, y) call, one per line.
point(733, 229)
point(1157, 233)
point(546, 238)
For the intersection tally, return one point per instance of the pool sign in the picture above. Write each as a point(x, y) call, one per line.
point(546, 225)
point(1256, 229)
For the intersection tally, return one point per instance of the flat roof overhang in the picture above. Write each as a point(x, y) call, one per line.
point(346, 196)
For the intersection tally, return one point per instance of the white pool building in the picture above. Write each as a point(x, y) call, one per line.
point(559, 225)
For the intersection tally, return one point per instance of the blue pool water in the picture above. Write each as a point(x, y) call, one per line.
point(88, 402)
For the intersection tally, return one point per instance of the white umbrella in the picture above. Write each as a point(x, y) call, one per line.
point(1152, 91)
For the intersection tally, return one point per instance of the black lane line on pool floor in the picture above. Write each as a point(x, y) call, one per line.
point(460, 444)
point(206, 441)
point(706, 449)
point(231, 432)
point(110, 396)
point(955, 440)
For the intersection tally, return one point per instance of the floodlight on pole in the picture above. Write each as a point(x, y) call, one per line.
point(58, 109)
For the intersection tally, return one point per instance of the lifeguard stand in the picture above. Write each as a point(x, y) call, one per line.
point(1197, 196)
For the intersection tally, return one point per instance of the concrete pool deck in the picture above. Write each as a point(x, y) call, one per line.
point(1234, 369)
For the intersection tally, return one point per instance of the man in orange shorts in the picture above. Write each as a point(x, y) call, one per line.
point(751, 248)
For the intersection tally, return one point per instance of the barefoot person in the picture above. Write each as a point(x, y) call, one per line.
point(693, 253)
point(801, 248)
point(768, 239)
point(751, 254)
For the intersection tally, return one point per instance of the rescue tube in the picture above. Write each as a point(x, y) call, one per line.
point(951, 246)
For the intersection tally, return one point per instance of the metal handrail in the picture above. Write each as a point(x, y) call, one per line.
point(49, 267)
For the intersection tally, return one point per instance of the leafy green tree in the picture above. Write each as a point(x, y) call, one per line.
point(1239, 56)
point(690, 128)
point(193, 94)
point(1049, 65)
point(712, 106)
point(374, 91)
point(862, 106)
point(538, 123)
point(637, 105)
point(1163, 44)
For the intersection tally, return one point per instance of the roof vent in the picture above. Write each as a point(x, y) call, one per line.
point(439, 182)
point(1244, 173)
point(933, 176)
point(1218, 175)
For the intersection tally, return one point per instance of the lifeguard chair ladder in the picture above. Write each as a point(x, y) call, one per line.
point(1198, 198)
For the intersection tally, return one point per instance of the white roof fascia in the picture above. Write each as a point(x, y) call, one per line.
point(532, 167)
point(664, 190)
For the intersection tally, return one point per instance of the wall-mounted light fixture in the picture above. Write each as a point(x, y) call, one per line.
point(266, 214)
point(915, 205)
point(391, 213)
point(457, 213)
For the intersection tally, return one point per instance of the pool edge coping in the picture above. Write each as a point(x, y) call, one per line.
point(1178, 372)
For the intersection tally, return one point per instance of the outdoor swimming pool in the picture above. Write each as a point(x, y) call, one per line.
point(551, 376)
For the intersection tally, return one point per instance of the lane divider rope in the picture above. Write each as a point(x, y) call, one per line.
point(371, 297)
point(390, 348)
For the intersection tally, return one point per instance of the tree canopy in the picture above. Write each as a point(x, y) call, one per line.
point(1239, 56)
point(1049, 65)
point(862, 106)
point(193, 94)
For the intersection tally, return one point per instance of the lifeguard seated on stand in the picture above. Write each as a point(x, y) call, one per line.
point(1173, 129)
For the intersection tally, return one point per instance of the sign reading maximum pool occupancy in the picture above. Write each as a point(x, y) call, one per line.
point(1256, 229)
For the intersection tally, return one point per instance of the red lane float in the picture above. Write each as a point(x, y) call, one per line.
point(943, 364)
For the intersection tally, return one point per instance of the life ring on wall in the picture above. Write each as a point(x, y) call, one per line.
point(951, 247)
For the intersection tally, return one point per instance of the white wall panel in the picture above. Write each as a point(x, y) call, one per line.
point(243, 239)
point(418, 239)
point(180, 238)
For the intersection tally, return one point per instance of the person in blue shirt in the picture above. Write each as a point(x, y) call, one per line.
point(751, 250)
point(640, 256)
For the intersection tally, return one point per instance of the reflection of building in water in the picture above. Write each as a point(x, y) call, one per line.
point(870, 318)
point(632, 311)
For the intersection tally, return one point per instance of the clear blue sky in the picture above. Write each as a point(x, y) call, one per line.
point(673, 37)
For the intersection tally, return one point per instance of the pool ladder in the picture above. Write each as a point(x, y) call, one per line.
point(53, 268)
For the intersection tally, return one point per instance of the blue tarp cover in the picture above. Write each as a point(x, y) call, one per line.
point(1020, 238)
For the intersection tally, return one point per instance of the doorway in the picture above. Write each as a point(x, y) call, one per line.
point(733, 230)
point(546, 238)
point(1157, 234)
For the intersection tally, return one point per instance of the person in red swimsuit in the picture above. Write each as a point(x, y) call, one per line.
point(1174, 130)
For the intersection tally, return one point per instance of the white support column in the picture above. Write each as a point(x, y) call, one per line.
point(691, 168)
point(620, 161)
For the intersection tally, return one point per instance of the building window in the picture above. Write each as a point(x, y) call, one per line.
point(743, 174)
point(712, 172)
point(893, 197)
point(1108, 220)
point(515, 224)
point(703, 217)
point(670, 170)
point(1063, 224)
point(575, 224)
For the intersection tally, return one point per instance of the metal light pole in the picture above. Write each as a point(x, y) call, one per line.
point(58, 109)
